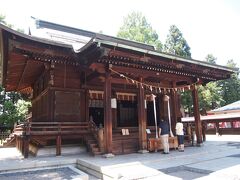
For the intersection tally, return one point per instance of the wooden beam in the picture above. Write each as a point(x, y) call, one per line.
point(142, 124)
point(23, 72)
point(145, 74)
point(198, 127)
point(107, 112)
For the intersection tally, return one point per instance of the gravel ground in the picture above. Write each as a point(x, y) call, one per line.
point(63, 173)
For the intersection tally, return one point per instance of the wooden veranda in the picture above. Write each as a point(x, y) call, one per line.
point(107, 83)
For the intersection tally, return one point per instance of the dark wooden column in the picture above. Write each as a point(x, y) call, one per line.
point(174, 110)
point(114, 113)
point(142, 118)
point(51, 94)
point(58, 145)
point(87, 105)
point(198, 127)
point(107, 112)
point(26, 146)
point(161, 106)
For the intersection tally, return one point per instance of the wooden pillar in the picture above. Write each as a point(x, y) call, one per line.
point(204, 127)
point(107, 113)
point(162, 108)
point(58, 145)
point(217, 127)
point(25, 146)
point(51, 105)
point(198, 127)
point(51, 94)
point(174, 110)
point(142, 118)
point(87, 105)
point(114, 113)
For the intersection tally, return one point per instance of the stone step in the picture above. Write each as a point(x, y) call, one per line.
point(134, 170)
point(97, 153)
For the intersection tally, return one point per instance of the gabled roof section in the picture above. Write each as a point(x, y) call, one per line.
point(58, 27)
point(126, 44)
point(229, 107)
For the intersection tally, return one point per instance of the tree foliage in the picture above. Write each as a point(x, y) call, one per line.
point(2, 19)
point(210, 95)
point(176, 43)
point(12, 108)
point(211, 59)
point(136, 27)
point(187, 102)
point(230, 87)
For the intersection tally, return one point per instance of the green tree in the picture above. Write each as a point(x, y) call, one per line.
point(2, 19)
point(12, 107)
point(211, 59)
point(209, 95)
point(136, 27)
point(187, 102)
point(230, 87)
point(176, 43)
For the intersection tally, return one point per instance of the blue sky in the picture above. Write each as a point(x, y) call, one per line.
point(209, 26)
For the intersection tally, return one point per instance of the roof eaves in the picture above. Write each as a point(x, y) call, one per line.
point(33, 38)
point(169, 56)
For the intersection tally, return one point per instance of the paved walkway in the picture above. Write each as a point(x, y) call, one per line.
point(219, 157)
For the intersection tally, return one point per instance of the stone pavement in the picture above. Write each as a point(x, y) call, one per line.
point(218, 157)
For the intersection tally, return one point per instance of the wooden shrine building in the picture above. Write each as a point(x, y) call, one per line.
point(107, 83)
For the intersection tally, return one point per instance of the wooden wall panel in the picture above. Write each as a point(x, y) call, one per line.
point(67, 106)
point(40, 108)
point(67, 76)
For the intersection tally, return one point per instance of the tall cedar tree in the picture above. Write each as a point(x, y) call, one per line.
point(135, 27)
point(176, 43)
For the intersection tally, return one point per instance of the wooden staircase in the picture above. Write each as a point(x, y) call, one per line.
point(10, 141)
point(41, 134)
point(92, 145)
